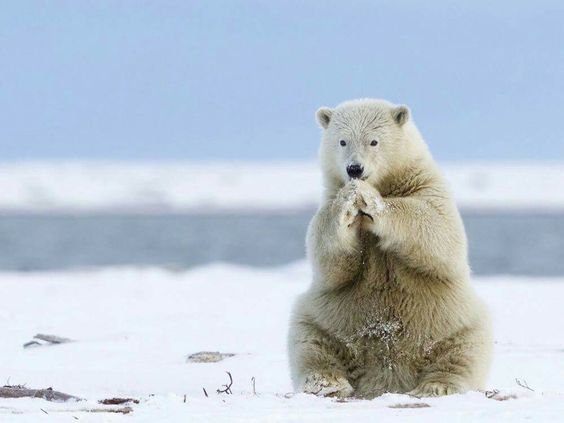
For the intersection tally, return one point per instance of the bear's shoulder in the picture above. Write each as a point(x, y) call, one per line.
point(421, 177)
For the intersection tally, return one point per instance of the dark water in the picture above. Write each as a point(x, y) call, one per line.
point(525, 244)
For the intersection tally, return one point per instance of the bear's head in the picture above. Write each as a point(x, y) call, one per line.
point(366, 139)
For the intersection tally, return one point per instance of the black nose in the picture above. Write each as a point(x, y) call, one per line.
point(355, 170)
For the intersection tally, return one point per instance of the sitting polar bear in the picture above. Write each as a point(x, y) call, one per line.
point(390, 308)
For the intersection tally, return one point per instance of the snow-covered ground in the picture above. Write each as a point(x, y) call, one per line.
point(164, 187)
point(134, 328)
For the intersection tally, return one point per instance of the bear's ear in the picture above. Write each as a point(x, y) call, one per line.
point(323, 116)
point(400, 114)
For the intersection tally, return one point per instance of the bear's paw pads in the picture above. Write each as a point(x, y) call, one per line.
point(327, 386)
point(435, 389)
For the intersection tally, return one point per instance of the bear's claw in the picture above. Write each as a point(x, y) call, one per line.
point(434, 389)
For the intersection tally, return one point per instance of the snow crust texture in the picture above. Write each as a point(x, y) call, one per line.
point(134, 327)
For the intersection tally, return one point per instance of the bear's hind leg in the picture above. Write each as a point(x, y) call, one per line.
point(458, 364)
point(316, 362)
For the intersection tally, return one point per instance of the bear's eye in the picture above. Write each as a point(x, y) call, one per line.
point(343, 143)
point(373, 143)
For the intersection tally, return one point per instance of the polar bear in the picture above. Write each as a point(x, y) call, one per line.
point(390, 308)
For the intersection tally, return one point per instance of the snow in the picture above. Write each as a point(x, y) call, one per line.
point(134, 328)
point(75, 186)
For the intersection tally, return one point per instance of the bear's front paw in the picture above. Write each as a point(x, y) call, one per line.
point(327, 386)
point(347, 205)
point(347, 215)
point(372, 203)
point(435, 389)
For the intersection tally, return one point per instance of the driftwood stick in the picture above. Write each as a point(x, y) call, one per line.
point(112, 404)
point(42, 339)
point(120, 410)
point(53, 339)
point(47, 394)
point(118, 401)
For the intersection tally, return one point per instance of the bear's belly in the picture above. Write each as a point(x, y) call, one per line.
point(385, 347)
point(382, 358)
point(385, 343)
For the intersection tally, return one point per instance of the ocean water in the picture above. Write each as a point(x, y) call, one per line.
point(499, 243)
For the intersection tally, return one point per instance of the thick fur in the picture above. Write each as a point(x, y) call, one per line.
point(390, 308)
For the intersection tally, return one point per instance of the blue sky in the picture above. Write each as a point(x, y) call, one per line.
point(242, 79)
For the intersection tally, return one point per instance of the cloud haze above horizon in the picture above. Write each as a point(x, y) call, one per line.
point(241, 80)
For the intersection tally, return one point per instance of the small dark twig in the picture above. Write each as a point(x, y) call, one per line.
point(253, 381)
point(524, 384)
point(227, 388)
point(9, 385)
point(205, 392)
point(184, 398)
point(44, 411)
point(492, 393)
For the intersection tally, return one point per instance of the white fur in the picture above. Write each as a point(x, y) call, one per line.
point(390, 308)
